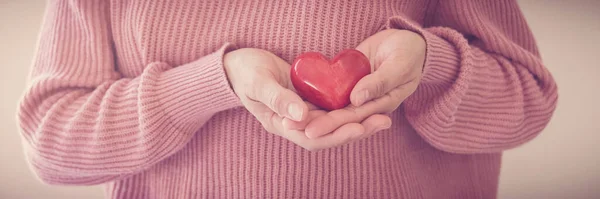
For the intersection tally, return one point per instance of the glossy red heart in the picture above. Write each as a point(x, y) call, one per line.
point(328, 83)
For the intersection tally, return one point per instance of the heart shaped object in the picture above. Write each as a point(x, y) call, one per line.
point(325, 83)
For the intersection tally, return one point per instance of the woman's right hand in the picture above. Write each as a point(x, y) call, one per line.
point(260, 80)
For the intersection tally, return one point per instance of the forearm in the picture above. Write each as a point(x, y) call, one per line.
point(484, 94)
point(123, 125)
point(471, 101)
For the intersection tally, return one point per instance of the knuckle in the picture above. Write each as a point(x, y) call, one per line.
point(395, 94)
point(353, 115)
point(352, 110)
point(380, 86)
point(265, 121)
point(254, 91)
point(273, 98)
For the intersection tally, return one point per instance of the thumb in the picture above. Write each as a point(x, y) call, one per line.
point(370, 87)
point(279, 99)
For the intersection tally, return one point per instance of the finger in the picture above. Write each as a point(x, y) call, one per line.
point(345, 134)
point(293, 125)
point(311, 106)
point(276, 123)
point(279, 99)
point(313, 112)
point(329, 122)
point(391, 73)
point(376, 123)
point(270, 121)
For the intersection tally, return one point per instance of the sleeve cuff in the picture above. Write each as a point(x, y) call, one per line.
point(431, 108)
point(191, 91)
point(440, 53)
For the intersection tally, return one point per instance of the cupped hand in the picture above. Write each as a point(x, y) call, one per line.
point(397, 58)
point(261, 81)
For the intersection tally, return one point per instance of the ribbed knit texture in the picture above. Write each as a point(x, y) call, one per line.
point(133, 94)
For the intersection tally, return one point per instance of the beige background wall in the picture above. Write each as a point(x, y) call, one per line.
point(561, 163)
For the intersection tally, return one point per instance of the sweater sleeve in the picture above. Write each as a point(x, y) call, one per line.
point(484, 88)
point(84, 123)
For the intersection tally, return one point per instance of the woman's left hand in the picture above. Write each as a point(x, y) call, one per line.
point(397, 57)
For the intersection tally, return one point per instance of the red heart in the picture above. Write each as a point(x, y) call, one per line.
point(328, 84)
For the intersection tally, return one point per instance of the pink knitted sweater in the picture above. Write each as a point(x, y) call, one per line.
point(132, 94)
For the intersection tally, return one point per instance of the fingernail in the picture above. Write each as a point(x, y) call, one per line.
point(295, 112)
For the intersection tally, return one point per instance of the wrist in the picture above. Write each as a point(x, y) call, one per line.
point(229, 58)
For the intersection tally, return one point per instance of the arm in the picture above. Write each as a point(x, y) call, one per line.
point(484, 94)
point(85, 124)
